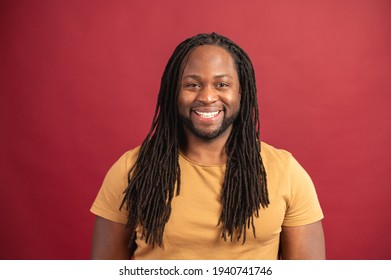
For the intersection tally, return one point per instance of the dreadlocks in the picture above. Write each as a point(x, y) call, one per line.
point(156, 174)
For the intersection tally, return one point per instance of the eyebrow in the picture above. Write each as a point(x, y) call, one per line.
point(195, 76)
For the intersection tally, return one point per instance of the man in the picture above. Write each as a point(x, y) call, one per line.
point(197, 187)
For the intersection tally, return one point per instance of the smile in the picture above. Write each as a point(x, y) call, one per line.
point(207, 115)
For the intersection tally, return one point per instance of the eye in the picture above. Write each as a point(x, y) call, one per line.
point(191, 85)
point(221, 85)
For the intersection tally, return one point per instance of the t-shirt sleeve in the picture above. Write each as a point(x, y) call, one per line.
point(111, 193)
point(303, 206)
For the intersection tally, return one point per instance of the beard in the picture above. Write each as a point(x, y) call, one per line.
point(206, 134)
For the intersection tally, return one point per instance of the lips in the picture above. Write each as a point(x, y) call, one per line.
point(207, 115)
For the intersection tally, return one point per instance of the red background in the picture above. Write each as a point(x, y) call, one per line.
point(79, 81)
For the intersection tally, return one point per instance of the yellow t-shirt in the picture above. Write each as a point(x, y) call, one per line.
point(192, 231)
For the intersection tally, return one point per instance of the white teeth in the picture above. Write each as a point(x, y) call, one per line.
point(207, 115)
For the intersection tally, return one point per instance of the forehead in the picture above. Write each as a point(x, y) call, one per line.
point(209, 57)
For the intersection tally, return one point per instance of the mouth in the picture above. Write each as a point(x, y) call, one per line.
point(207, 115)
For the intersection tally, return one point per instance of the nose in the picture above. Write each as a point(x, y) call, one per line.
point(207, 95)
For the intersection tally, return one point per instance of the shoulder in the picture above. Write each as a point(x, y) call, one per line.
point(281, 163)
point(276, 159)
point(269, 151)
point(111, 193)
point(129, 157)
point(126, 160)
point(120, 168)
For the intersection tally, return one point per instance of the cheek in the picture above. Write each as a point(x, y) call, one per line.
point(183, 102)
point(233, 100)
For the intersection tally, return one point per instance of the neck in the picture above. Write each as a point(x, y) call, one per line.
point(211, 152)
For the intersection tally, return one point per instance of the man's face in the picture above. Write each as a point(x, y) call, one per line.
point(209, 95)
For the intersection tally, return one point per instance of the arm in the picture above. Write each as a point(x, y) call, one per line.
point(110, 240)
point(303, 242)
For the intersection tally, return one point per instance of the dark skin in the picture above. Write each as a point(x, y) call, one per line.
point(210, 84)
point(303, 242)
point(110, 241)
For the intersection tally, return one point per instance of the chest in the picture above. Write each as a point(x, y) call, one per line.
point(196, 211)
point(193, 230)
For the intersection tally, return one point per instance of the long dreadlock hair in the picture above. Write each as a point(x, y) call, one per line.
point(156, 173)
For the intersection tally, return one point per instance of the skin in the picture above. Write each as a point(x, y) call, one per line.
point(209, 84)
point(303, 242)
point(110, 241)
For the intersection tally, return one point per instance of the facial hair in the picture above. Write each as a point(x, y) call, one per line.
point(208, 135)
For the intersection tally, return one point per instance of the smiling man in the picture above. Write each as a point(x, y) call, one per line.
point(203, 185)
point(209, 97)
